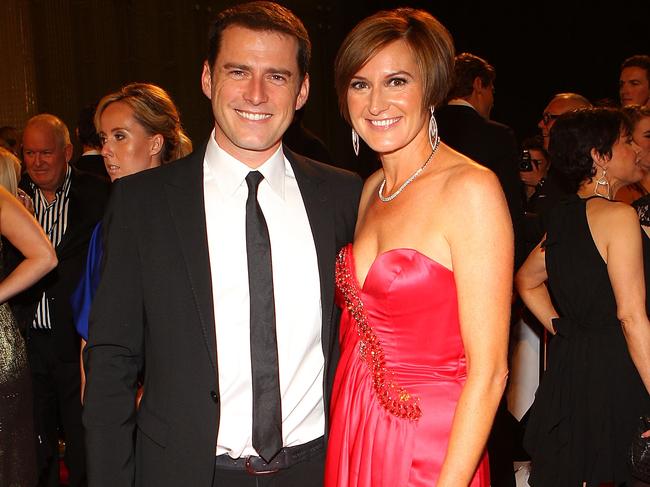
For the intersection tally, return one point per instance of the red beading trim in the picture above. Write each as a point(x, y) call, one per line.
point(395, 399)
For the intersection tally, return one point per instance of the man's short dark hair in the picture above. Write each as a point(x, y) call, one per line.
point(638, 61)
point(86, 127)
point(261, 16)
point(467, 68)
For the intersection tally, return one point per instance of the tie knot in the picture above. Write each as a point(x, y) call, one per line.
point(253, 180)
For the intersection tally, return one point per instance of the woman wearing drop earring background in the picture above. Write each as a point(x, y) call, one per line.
point(426, 286)
point(596, 384)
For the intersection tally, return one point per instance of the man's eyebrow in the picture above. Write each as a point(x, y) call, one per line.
point(245, 67)
point(236, 66)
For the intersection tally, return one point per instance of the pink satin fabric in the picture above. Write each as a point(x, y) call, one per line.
point(411, 304)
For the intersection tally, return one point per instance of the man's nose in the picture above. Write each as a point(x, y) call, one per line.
point(256, 91)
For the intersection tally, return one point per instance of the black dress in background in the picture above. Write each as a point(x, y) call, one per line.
point(587, 406)
point(17, 441)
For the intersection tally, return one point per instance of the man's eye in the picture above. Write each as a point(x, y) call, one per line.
point(278, 78)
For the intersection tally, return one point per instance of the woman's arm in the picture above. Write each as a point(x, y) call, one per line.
point(531, 286)
point(625, 269)
point(481, 244)
point(24, 233)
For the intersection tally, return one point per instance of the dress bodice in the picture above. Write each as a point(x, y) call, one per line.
point(410, 301)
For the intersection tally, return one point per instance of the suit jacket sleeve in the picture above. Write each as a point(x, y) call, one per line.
point(113, 357)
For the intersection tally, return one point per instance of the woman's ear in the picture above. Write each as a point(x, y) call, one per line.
point(157, 142)
point(599, 160)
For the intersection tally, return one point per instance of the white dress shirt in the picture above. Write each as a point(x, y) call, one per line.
point(296, 287)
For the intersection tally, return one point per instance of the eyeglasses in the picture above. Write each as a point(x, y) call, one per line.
point(547, 117)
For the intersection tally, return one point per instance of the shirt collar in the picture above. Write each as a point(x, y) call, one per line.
point(65, 186)
point(232, 172)
point(461, 102)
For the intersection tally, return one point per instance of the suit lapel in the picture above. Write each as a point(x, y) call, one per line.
point(319, 212)
point(184, 191)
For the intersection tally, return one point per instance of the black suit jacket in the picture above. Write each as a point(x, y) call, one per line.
point(493, 145)
point(153, 314)
point(92, 163)
point(88, 196)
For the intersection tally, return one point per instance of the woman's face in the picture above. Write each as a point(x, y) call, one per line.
point(127, 148)
point(385, 99)
point(641, 136)
point(624, 163)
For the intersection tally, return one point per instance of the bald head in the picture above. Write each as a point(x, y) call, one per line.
point(560, 104)
point(47, 151)
point(51, 122)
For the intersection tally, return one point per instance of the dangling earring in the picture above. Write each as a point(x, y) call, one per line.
point(434, 139)
point(602, 181)
point(355, 142)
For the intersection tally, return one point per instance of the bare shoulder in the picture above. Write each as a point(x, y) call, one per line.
point(469, 181)
point(615, 212)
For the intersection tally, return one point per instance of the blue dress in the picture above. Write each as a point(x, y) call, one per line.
point(83, 295)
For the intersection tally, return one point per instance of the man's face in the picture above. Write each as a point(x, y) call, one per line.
point(552, 111)
point(633, 86)
point(255, 88)
point(45, 156)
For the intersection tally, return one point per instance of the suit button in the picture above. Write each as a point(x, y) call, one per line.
point(214, 397)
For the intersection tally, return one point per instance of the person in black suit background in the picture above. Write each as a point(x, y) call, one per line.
point(91, 159)
point(181, 299)
point(67, 204)
point(465, 126)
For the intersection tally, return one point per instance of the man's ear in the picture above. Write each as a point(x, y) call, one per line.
point(303, 92)
point(68, 150)
point(206, 80)
point(477, 85)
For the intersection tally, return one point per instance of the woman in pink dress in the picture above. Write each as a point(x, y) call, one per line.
point(426, 286)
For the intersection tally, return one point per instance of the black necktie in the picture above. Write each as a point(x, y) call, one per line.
point(267, 412)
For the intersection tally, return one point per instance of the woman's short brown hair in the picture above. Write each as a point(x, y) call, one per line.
point(154, 109)
point(428, 39)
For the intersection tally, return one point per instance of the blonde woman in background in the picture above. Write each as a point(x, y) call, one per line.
point(17, 441)
point(139, 128)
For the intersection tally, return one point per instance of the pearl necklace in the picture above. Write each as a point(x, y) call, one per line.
point(391, 197)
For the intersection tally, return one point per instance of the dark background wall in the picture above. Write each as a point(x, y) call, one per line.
point(63, 54)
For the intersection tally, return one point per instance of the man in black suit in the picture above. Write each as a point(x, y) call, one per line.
point(67, 204)
point(465, 125)
point(187, 282)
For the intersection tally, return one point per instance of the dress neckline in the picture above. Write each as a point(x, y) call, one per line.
point(353, 264)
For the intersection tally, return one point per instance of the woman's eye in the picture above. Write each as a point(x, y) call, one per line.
point(119, 136)
point(358, 85)
point(396, 82)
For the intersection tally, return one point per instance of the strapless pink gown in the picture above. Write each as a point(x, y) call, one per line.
point(400, 375)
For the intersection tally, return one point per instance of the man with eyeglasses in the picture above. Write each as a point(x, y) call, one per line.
point(559, 104)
